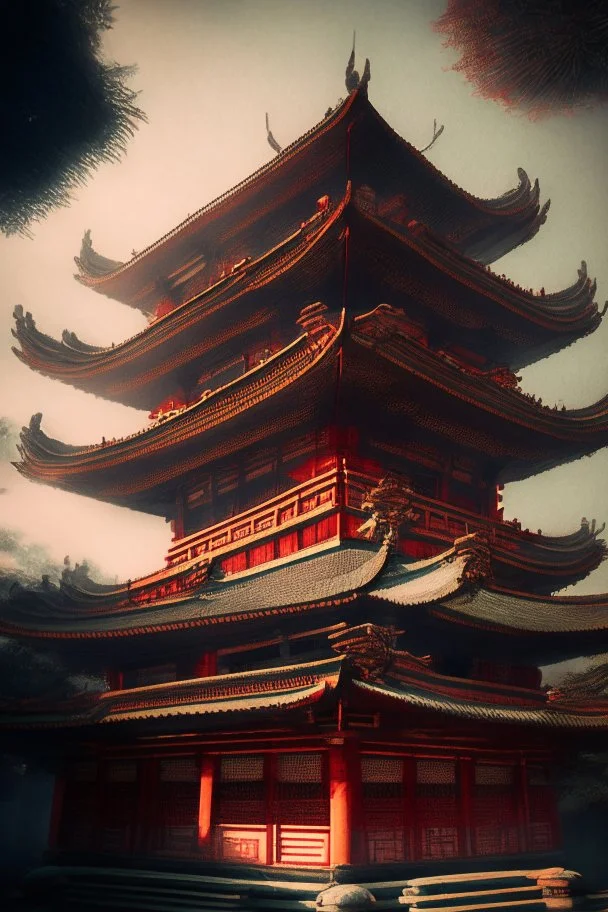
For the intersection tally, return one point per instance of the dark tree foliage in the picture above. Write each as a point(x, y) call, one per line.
point(64, 110)
point(27, 675)
point(537, 56)
point(584, 780)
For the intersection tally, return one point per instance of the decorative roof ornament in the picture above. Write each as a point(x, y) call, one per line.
point(352, 79)
point(391, 506)
point(368, 648)
point(436, 134)
point(271, 140)
point(93, 264)
point(477, 571)
point(35, 422)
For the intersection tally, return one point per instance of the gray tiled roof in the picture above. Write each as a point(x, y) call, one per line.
point(489, 712)
point(527, 613)
point(306, 581)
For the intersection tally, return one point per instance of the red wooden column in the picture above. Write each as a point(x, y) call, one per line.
point(206, 667)
point(205, 802)
point(340, 804)
point(56, 810)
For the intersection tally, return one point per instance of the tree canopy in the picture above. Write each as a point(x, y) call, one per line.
point(539, 57)
point(64, 109)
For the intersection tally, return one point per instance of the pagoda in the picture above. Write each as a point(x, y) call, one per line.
point(335, 678)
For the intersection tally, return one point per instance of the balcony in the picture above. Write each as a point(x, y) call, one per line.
point(301, 505)
point(339, 493)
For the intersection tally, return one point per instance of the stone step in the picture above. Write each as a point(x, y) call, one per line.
point(129, 896)
point(439, 900)
point(469, 883)
point(529, 905)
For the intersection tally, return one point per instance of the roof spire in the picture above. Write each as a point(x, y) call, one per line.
point(271, 140)
point(352, 79)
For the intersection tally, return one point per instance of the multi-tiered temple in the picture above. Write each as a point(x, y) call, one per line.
point(339, 663)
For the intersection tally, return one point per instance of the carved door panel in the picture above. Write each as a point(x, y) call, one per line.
point(178, 799)
point(495, 817)
point(383, 808)
point(437, 809)
point(240, 810)
point(119, 807)
point(301, 810)
point(543, 827)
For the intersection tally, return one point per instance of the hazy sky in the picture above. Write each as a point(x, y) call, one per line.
point(208, 71)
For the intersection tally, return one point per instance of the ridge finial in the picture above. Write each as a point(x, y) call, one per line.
point(352, 79)
point(274, 145)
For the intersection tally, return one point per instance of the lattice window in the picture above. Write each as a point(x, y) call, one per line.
point(381, 769)
point(179, 769)
point(383, 808)
point(241, 793)
point(242, 768)
point(119, 804)
point(300, 768)
point(542, 805)
point(178, 798)
point(437, 808)
point(486, 774)
point(440, 842)
point(496, 825)
point(436, 772)
point(302, 791)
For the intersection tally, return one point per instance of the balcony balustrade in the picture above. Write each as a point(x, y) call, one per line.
point(335, 491)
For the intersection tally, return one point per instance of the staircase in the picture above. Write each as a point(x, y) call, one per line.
point(97, 889)
point(503, 891)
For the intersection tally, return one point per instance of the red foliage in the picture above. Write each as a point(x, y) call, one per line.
point(537, 56)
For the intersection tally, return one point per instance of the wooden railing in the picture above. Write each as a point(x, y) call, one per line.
point(436, 518)
point(311, 499)
point(321, 496)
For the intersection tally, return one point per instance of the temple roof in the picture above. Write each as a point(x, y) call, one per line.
point(453, 590)
point(308, 582)
point(513, 429)
point(258, 396)
point(366, 670)
point(578, 717)
point(485, 229)
point(511, 325)
point(516, 434)
point(537, 563)
point(246, 693)
point(514, 611)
